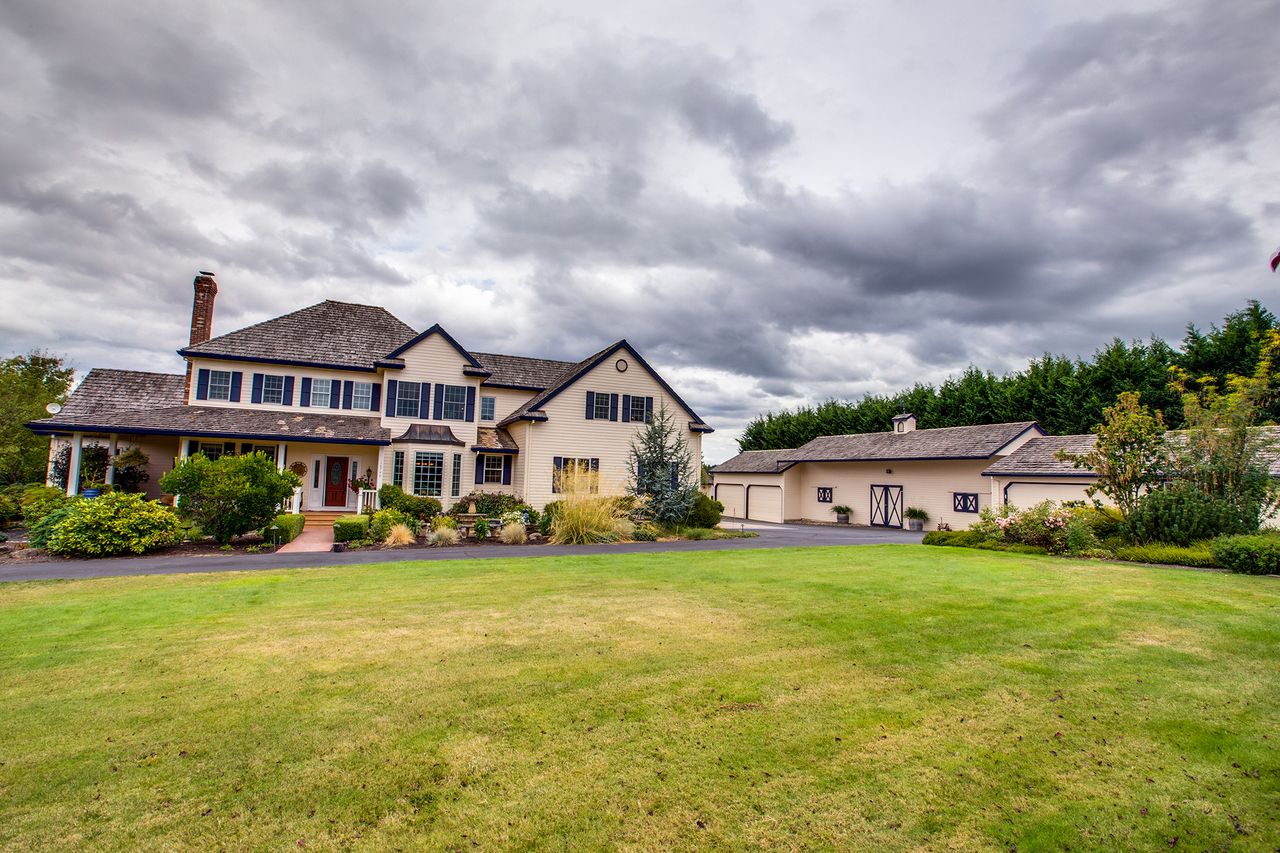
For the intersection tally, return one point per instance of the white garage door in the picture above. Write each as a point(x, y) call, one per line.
point(765, 504)
point(1029, 494)
point(734, 498)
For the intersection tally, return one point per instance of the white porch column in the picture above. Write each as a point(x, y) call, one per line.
point(53, 455)
point(73, 465)
point(282, 451)
point(113, 442)
point(377, 477)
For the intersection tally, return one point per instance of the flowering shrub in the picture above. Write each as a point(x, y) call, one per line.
point(1056, 528)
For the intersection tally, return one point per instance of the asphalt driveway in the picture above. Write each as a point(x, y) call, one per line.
point(770, 536)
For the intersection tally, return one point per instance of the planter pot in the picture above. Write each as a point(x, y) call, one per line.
point(90, 493)
point(915, 524)
point(842, 519)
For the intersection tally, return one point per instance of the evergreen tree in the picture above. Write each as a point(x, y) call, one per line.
point(662, 471)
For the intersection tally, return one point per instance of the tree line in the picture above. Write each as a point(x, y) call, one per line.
point(1066, 396)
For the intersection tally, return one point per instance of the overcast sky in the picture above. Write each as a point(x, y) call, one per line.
point(775, 202)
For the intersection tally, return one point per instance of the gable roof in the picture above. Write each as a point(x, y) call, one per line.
point(435, 329)
point(966, 442)
point(517, 371)
point(1037, 458)
point(754, 462)
point(105, 389)
point(342, 335)
point(574, 373)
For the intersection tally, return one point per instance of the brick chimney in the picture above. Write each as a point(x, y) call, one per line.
point(201, 316)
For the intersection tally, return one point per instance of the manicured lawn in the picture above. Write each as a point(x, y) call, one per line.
point(889, 697)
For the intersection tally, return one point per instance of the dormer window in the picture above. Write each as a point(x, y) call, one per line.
point(902, 427)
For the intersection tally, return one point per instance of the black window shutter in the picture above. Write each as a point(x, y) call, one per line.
point(626, 407)
point(557, 466)
point(335, 393)
point(591, 405)
point(506, 470)
point(202, 384)
point(471, 403)
point(439, 399)
point(648, 409)
point(287, 399)
point(375, 398)
point(595, 465)
point(236, 378)
point(304, 397)
point(613, 407)
point(479, 467)
point(255, 396)
point(392, 388)
point(348, 389)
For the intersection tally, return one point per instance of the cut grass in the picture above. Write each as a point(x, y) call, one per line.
point(887, 697)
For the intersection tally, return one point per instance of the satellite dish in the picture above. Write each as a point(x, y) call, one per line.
point(53, 408)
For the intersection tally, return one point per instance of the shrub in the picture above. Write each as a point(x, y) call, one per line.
point(420, 507)
point(1012, 547)
point(954, 538)
point(549, 513)
point(348, 528)
point(115, 523)
point(399, 534)
point(645, 533)
point(706, 512)
point(39, 501)
point(488, 504)
point(289, 526)
point(230, 495)
point(585, 518)
point(442, 521)
point(480, 530)
point(38, 534)
point(1042, 526)
point(1258, 554)
point(10, 508)
point(1182, 514)
point(513, 534)
point(384, 519)
point(1078, 535)
point(1199, 554)
point(443, 536)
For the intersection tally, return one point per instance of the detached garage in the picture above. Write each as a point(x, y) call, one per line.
point(878, 475)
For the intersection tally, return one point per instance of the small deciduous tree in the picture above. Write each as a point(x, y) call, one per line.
point(1131, 454)
point(231, 495)
point(28, 383)
point(661, 469)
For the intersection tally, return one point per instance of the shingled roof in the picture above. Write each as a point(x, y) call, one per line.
point(1038, 457)
point(489, 438)
point(334, 334)
point(754, 462)
point(222, 421)
point(104, 389)
point(534, 374)
point(967, 442)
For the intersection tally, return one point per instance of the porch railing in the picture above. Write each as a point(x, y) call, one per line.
point(368, 501)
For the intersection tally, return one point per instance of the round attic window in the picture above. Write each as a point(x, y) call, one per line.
point(621, 364)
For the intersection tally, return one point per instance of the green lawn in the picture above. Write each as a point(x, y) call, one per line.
point(891, 697)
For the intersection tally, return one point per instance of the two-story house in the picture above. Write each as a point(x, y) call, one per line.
point(340, 392)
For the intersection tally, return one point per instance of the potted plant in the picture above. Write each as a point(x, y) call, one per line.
point(842, 513)
point(916, 518)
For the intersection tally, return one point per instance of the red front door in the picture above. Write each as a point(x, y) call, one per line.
point(335, 480)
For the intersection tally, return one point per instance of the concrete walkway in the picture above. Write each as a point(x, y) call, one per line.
point(312, 539)
point(770, 536)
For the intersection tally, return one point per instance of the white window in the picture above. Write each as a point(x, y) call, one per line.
point(492, 469)
point(273, 389)
point(601, 407)
point(456, 485)
point(455, 403)
point(220, 385)
point(408, 398)
point(320, 391)
point(362, 396)
point(487, 406)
